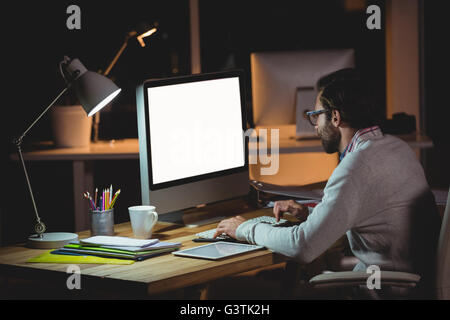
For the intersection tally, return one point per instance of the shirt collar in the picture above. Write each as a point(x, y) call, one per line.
point(361, 135)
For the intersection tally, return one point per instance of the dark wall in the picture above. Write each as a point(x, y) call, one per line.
point(37, 39)
point(437, 55)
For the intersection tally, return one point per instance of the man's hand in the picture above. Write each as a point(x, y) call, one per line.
point(297, 210)
point(229, 226)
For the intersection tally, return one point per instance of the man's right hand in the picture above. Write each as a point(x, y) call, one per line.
point(297, 210)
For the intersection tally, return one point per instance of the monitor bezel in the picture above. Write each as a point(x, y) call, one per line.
point(189, 79)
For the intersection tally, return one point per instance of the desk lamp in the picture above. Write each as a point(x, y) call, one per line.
point(94, 91)
point(141, 32)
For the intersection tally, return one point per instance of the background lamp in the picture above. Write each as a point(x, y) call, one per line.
point(141, 32)
point(144, 35)
point(94, 91)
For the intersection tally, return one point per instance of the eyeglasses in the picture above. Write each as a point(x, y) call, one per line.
point(312, 116)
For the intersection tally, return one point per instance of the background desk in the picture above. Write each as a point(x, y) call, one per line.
point(156, 275)
point(82, 159)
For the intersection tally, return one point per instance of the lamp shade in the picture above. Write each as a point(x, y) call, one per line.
point(93, 90)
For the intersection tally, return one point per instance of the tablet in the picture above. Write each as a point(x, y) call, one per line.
point(217, 250)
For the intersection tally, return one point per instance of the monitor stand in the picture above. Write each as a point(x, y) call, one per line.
point(177, 217)
point(210, 213)
point(203, 222)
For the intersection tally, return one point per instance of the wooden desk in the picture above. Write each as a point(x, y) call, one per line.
point(156, 275)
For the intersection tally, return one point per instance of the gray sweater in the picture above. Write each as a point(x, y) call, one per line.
point(379, 197)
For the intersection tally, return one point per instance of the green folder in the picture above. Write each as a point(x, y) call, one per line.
point(49, 257)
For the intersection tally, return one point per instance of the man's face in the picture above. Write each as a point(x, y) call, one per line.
point(330, 135)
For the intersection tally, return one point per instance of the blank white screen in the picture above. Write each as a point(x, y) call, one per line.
point(195, 128)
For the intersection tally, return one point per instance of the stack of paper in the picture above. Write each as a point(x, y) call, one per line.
point(118, 241)
point(119, 247)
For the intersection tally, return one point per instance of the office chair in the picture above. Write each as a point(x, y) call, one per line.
point(348, 279)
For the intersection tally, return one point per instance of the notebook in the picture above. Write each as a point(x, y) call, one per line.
point(118, 241)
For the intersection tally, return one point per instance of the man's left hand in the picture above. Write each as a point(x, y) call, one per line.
point(229, 226)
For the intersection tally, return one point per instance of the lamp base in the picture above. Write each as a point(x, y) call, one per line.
point(51, 240)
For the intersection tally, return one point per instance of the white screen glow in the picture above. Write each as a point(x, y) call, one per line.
point(195, 128)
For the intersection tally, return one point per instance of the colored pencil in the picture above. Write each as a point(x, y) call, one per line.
point(87, 196)
point(114, 199)
point(110, 196)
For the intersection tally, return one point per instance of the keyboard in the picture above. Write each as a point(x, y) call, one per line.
point(208, 234)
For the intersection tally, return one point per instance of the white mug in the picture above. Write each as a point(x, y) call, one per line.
point(142, 218)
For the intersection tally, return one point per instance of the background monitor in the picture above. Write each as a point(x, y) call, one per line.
point(192, 149)
point(282, 82)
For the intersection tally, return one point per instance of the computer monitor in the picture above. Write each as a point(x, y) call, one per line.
point(284, 84)
point(192, 149)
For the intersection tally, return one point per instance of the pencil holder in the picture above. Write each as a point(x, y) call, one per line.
point(102, 222)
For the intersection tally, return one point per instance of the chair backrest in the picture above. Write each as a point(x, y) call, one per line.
point(443, 256)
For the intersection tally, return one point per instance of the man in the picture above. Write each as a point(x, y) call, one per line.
point(378, 195)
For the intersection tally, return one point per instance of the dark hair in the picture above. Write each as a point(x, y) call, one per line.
point(346, 91)
point(347, 73)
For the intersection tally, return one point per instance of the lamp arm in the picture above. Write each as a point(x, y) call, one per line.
point(19, 139)
point(40, 226)
point(119, 53)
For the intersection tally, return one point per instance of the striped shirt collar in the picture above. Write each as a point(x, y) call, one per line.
point(361, 135)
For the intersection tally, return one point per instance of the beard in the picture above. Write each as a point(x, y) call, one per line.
point(330, 137)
